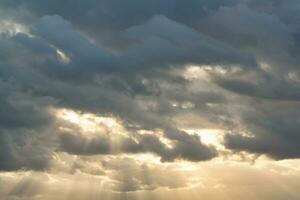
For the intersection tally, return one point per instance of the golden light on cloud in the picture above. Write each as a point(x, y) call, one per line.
point(227, 180)
point(209, 136)
point(89, 122)
point(139, 176)
point(149, 100)
point(86, 120)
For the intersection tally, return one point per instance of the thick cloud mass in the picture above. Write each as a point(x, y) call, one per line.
point(134, 61)
point(190, 150)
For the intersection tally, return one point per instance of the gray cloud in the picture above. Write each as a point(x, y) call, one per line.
point(274, 130)
point(190, 149)
point(128, 59)
point(162, 43)
point(22, 116)
point(261, 85)
point(21, 149)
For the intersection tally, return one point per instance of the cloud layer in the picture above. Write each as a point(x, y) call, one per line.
point(162, 72)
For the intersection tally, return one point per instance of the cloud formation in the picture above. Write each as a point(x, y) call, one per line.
point(166, 71)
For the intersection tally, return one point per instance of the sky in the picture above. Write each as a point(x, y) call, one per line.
point(149, 99)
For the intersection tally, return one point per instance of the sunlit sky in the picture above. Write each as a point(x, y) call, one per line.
point(149, 99)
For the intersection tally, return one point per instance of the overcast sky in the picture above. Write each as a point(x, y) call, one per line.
point(149, 99)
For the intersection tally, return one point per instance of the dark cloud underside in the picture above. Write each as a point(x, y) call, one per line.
point(128, 59)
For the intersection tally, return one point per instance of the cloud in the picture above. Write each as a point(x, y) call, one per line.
point(142, 84)
point(273, 128)
point(262, 85)
point(129, 60)
point(162, 43)
point(187, 148)
point(22, 117)
point(133, 176)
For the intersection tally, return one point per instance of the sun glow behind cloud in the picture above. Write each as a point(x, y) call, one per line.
point(94, 177)
point(87, 121)
point(202, 179)
point(151, 100)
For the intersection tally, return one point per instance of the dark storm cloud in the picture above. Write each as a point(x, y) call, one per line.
point(118, 15)
point(161, 43)
point(274, 128)
point(68, 95)
point(191, 150)
point(116, 58)
point(22, 116)
point(269, 30)
point(18, 152)
point(265, 86)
